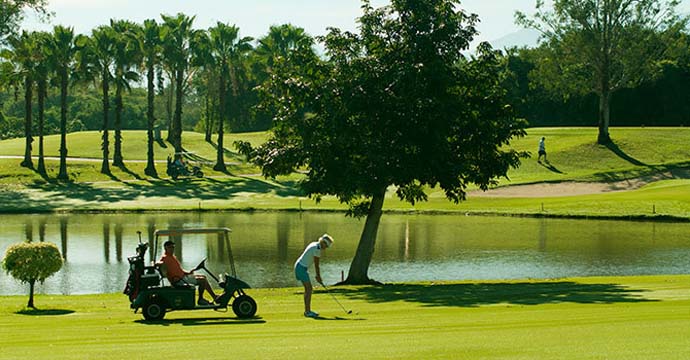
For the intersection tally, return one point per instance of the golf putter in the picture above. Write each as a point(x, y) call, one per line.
point(336, 299)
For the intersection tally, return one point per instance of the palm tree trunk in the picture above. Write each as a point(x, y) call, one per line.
point(117, 155)
point(207, 111)
point(64, 78)
point(359, 268)
point(105, 141)
point(220, 162)
point(41, 122)
point(28, 97)
point(177, 119)
point(150, 165)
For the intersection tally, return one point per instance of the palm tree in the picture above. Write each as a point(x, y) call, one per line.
point(226, 48)
point(178, 39)
point(280, 41)
point(42, 74)
point(95, 63)
point(127, 56)
point(23, 55)
point(150, 42)
point(63, 50)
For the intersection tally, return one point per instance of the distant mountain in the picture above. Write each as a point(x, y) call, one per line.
point(520, 38)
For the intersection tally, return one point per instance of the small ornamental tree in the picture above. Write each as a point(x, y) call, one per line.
point(31, 262)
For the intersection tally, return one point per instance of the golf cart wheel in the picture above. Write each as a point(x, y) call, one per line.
point(244, 306)
point(199, 174)
point(153, 310)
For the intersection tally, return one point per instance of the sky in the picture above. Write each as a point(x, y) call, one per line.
point(254, 17)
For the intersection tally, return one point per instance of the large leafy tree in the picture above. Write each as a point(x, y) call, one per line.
point(12, 13)
point(602, 46)
point(32, 262)
point(95, 62)
point(396, 106)
point(63, 49)
point(226, 49)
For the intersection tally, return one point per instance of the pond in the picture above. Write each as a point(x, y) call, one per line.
point(408, 248)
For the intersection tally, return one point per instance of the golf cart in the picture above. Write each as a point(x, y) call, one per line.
point(178, 167)
point(149, 290)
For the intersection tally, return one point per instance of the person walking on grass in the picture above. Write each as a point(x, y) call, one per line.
point(542, 150)
point(311, 255)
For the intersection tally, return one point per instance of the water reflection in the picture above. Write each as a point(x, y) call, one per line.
point(409, 248)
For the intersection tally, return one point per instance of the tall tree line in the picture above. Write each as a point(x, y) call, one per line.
point(181, 65)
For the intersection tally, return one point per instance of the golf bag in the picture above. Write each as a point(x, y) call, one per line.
point(136, 271)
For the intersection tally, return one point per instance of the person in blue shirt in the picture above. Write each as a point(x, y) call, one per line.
point(311, 255)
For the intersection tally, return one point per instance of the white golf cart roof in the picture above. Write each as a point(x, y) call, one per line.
point(176, 232)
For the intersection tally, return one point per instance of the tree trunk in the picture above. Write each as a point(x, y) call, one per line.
point(28, 97)
point(117, 155)
point(169, 99)
point(31, 294)
point(177, 119)
point(220, 161)
point(150, 165)
point(41, 122)
point(604, 113)
point(64, 78)
point(207, 111)
point(359, 268)
point(105, 141)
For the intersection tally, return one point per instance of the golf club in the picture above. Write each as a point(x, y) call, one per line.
point(336, 300)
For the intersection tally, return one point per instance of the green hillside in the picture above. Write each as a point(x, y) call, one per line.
point(659, 154)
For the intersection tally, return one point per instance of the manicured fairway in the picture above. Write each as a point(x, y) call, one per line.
point(583, 318)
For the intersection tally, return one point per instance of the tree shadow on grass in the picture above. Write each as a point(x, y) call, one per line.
point(478, 294)
point(621, 154)
point(62, 194)
point(204, 321)
point(44, 312)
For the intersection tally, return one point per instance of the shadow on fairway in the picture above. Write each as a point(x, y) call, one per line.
point(478, 294)
point(337, 318)
point(63, 194)
point(45, 312)
point(203, 321)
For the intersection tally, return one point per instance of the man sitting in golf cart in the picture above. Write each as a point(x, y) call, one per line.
point(177, 276)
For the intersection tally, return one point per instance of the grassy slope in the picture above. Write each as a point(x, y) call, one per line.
point(583, 318)
point(572, 153)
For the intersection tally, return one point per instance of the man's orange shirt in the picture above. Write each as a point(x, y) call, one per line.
point(173, 268)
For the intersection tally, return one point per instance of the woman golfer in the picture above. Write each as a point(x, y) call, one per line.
point(311, 254)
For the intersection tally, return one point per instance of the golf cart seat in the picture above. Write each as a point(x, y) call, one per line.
point(163, 271)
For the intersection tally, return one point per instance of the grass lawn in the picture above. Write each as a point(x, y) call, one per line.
point(572, 152)
point(646, 317)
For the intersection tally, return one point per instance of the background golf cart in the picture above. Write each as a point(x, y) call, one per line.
point(189, 166)
point(150, 291)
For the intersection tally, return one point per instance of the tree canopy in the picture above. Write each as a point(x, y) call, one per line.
point(396, 105)
point(12, 13)
point(602, 46)
point(31, 262)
